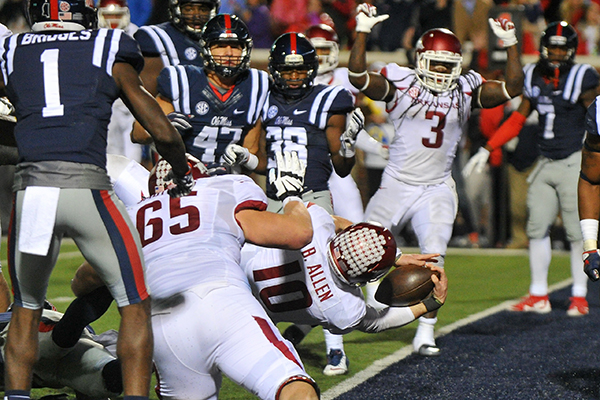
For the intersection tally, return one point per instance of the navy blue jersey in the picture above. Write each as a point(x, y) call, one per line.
point(169, 43)
point(62, 88)
point(561, 115)
point(218, 119)
point(300, 126)
point(591, 118)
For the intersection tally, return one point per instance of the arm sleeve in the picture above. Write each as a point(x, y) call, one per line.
point(388, 318)
point(508, 130)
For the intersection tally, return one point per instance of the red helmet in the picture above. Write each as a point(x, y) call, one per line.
point(362, 253)
point(439, 45)
point(113, 14)
point(160, 178)
point(323, 36)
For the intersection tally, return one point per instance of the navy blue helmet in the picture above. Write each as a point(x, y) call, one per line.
point(559, 34)
point(293, 51)
point(225, 28)
point(67, 15)
point(192, 25)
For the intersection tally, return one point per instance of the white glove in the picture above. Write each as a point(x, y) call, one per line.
point(354, 123)
point(366, 17)
point(505, 30)
point(288, 178)
point(239, 155)
point(476, 163)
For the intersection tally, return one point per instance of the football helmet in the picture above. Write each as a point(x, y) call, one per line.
point(559, 34)
point(293, 51)
point(113, 14)
point(438, 45)
point(324, 37)
point(362, 253)
point(225, 28)
point(161, 179)
point(192, 25)
point(64, 15)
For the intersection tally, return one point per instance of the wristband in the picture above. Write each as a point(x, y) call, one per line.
point(432, 304)
point(589, 229)
point(252, 162)
point(357, 74)
point(291, 198)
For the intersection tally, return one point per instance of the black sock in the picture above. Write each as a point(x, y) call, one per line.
point(81, 312)
point(112, 376)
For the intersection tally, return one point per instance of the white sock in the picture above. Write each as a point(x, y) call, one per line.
point(333, 341)
point(540, 254)
point(424, 333)
point(580, 279)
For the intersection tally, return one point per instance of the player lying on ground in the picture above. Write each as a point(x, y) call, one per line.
point(321, 283)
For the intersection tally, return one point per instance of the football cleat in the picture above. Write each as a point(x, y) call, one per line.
point(337, 363)
point(530, 303)
point(578, 307)
point(427, 350)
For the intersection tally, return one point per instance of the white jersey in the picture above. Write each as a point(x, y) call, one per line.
point(200, 239)
point(428, 127)
point(129, 179)
point(337, 77)
point(299, 286)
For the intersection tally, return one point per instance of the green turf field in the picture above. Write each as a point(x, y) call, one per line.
point(478, 279)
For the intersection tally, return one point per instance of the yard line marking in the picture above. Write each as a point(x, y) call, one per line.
point(380, 365)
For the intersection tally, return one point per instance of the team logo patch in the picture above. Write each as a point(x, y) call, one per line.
point(413, 92)
point(64, 6)
point(272, 112)
point(202, 108)
point(190, 53)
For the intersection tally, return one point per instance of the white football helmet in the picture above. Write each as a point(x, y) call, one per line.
point(438, 45)
point(362, 253)
point(113, 14)
point(324, 37)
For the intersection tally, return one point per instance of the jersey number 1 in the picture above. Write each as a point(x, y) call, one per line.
point(53, 108)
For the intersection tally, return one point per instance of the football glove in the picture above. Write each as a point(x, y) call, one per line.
point(504, 30)
point(354, 123)
point(181, 122)
point(367, 18)
point(288, 178)
point(476, 163)
point(591, 264)
point(183, 185)
point(238, 155)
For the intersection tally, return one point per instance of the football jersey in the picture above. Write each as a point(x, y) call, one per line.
point(561, 116)
point(217, 119)
point(195, 239)
point(300, 126)
point(428, 127)
point(299, 286)
point(338, 77)
point(169, 43)
point(62, 88)
point(592, 118)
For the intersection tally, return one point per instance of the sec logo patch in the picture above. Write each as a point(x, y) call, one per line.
point(190, 53)
point(272, 112)
point(201, 108)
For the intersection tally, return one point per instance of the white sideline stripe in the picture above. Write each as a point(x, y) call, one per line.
point(380, 365)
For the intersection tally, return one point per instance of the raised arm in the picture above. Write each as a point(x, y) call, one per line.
point(373, 85)
point(493, 93)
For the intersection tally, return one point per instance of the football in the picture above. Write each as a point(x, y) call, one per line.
point(405, 286)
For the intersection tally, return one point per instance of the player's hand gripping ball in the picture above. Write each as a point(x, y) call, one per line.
point(405, 286)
